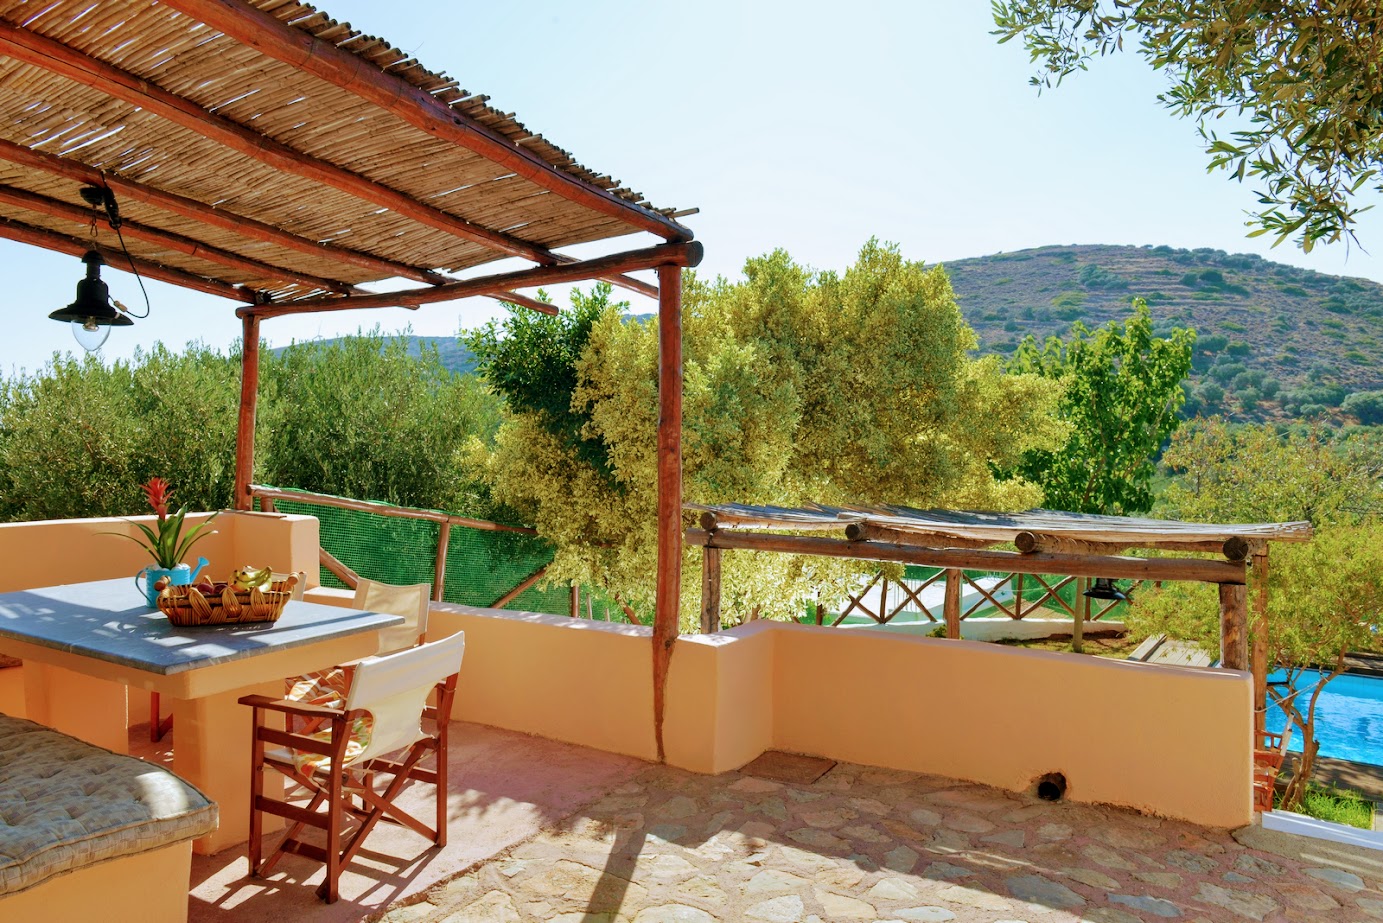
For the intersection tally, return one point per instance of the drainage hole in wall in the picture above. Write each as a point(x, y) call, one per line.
point(1052, 786)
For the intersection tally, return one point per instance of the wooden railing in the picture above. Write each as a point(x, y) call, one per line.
point(910, 593)
point(267, 496)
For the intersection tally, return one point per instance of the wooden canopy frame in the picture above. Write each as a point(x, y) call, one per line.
point(1047, 542)
point(264, 153)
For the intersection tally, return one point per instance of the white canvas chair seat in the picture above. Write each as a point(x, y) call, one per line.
point(383, 714)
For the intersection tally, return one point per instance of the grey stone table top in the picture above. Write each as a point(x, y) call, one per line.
point(108, 620)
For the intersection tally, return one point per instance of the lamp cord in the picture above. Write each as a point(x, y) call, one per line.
point(112, 210)
point(137, 277)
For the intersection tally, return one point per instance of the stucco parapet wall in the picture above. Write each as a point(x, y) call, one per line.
point(1167, 740)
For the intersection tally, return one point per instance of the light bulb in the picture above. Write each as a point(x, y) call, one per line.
point(89, 334)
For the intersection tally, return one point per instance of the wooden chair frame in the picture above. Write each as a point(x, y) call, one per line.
point(333, 789)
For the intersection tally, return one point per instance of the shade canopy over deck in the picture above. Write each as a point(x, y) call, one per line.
point(262, 152)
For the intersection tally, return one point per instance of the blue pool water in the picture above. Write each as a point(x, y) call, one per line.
point(1349, 717)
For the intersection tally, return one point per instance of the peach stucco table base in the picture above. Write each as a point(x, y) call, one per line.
point(78, 640)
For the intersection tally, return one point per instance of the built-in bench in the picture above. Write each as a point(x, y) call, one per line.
point(86, 834)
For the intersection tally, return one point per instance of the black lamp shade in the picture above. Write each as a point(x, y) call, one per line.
point(92, 306)
point(1104, 588)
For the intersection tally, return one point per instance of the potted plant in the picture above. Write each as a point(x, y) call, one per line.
point(166, 543)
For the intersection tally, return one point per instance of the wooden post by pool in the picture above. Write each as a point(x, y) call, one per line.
point(669, 583)
point(1260, 644)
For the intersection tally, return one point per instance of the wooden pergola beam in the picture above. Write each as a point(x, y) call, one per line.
point(31, 48)
point(1192, 569)
point(177, 242)
point(52, 240)
point(687, 254)
point(533, 304)
point(183, 207)
point(864, 531)
point(268, 35)
point(1234, 548)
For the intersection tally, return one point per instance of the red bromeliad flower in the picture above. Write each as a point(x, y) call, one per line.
point(159, 493)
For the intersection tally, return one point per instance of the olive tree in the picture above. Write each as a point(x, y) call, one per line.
point(1296, 82)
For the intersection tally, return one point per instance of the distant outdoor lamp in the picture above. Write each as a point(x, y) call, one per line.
point(1104, 588)
point(92, 314)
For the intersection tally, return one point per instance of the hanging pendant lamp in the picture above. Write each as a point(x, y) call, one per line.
point(92, 314)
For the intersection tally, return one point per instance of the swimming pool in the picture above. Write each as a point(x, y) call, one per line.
point(1349, 717)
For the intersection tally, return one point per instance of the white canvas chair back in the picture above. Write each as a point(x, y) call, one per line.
point(410, 602)
point(394, 690)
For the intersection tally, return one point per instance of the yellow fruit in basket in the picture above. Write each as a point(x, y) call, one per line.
point(249, 578)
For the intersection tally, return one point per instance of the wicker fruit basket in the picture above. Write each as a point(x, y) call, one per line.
point(187, 606)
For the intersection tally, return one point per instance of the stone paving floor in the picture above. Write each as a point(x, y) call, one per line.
point(875, 845)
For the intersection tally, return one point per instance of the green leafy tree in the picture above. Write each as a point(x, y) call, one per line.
point(365, 417)
point(1299, 81)
point(1366, 405)
point(78, 438)
point(1324, 598)
point(1253, 473)
point(1121, 390)
point(799, 387)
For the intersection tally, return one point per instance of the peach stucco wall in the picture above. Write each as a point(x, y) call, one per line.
point(38, 554)
point(1169, 740)
point(1174, 741)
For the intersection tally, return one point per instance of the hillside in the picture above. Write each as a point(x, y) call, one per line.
point(1275, 341)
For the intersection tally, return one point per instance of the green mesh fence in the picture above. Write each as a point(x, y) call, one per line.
point(482, 566)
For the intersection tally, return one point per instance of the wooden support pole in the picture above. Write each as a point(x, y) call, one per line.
point(343, 573)
point(883, 601)
point(178, 243)
point(575, 600)
point(954, 581)
point(1194, 569)
point(710, 591)
point(524, 584)
point(1260, 645)
point(1082, 613)
point(681, 254)
point(74, 246)
point(1234, 635)
point(129, 191)
point(669, 577)
point(439, 568)
point(249, 400)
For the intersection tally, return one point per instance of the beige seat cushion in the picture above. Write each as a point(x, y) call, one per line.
point(65, 804)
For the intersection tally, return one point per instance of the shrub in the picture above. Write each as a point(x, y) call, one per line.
point(1237, 348)
point(1366, 405)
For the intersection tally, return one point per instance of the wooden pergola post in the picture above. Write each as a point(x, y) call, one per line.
point(951, 606)
point(1260, 644)
point(710, 591)
point(249, 400)
point(667, 594)
point(1234, 634)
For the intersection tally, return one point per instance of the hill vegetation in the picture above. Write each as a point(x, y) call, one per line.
point(1275, 343)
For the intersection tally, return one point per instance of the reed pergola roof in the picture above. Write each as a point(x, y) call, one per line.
point(263, 152)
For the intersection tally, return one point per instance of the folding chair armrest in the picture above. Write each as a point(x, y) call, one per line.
point(290, 707)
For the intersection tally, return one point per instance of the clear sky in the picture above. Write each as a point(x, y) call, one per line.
point(804, 125)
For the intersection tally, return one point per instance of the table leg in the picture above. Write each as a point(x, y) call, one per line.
point(211, 749)
point(87, 708)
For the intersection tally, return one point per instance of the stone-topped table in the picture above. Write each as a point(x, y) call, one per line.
point(79, 639)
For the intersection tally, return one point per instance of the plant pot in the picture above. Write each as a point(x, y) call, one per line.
point(181, 575)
